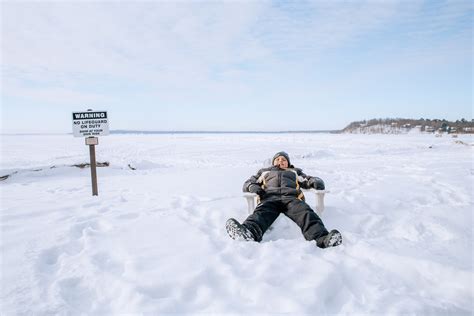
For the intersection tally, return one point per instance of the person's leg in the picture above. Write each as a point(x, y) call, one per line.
point(301, 213)
point(263, 217)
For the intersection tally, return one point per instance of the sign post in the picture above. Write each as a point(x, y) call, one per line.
point(90, 124)
point(92, 141)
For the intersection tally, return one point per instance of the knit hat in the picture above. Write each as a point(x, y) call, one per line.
point(281, 153)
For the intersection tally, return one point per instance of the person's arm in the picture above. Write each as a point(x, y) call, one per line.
point(252, 185)
point(309, 182)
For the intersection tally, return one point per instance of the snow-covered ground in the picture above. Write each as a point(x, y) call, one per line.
point(153, 241)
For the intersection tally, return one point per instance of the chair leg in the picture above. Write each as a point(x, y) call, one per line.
point(250, 202)
point(320, 203)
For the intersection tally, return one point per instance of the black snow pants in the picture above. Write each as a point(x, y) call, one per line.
point(298, 211)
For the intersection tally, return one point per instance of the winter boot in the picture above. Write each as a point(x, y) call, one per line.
point(238, 231)
point(333, 239)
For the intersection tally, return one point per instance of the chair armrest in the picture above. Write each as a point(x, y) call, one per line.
point(253, 197)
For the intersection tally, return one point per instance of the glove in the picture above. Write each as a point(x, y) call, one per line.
point(318, 183)
point(254, 188)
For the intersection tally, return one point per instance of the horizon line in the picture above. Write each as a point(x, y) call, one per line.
point(124, 131)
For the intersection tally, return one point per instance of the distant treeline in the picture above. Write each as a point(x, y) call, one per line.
point(424, 125)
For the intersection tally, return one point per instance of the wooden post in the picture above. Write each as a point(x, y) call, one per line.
point(92, 141)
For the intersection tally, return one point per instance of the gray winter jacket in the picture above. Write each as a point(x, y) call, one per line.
point(281, 183)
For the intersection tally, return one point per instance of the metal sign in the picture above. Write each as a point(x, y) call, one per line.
point(85, 124)
point(89, 124)
point(92, 141)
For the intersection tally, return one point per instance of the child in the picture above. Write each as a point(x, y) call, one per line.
point(279, 190)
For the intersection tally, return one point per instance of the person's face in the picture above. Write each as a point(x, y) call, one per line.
point(281, 162)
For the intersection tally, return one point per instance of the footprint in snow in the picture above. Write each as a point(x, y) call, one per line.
point(184, 202)
point(94, 204)
point(106, 263)
point(128, 216)
point(76, 295)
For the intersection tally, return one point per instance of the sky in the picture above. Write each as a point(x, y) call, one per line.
point(233, 65)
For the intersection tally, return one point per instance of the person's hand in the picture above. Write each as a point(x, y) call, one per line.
point(318, 184)
point(261, 192)
point(254, 188)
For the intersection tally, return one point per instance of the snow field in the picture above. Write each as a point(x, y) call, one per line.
point(154, 242)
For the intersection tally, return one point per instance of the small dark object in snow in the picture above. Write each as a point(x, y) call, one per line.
point(3, 178)
point(460, 142)
point(82, 166)
point(98, 164)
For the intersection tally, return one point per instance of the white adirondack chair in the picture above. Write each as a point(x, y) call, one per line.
point(252, 200)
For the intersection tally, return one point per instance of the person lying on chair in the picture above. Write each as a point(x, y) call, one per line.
point(278, 188)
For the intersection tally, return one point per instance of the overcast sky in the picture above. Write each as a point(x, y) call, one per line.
point(234, 65)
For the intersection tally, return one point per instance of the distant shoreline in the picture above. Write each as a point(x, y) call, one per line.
point(119, 132)
point(220, 132)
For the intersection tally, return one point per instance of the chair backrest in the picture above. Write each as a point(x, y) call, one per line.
point(267, 163)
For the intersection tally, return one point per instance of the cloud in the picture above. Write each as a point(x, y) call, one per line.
point(218, 52)
point(116, 38)
point(171, 44)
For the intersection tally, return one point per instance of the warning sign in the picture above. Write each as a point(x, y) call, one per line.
point(86, 124)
